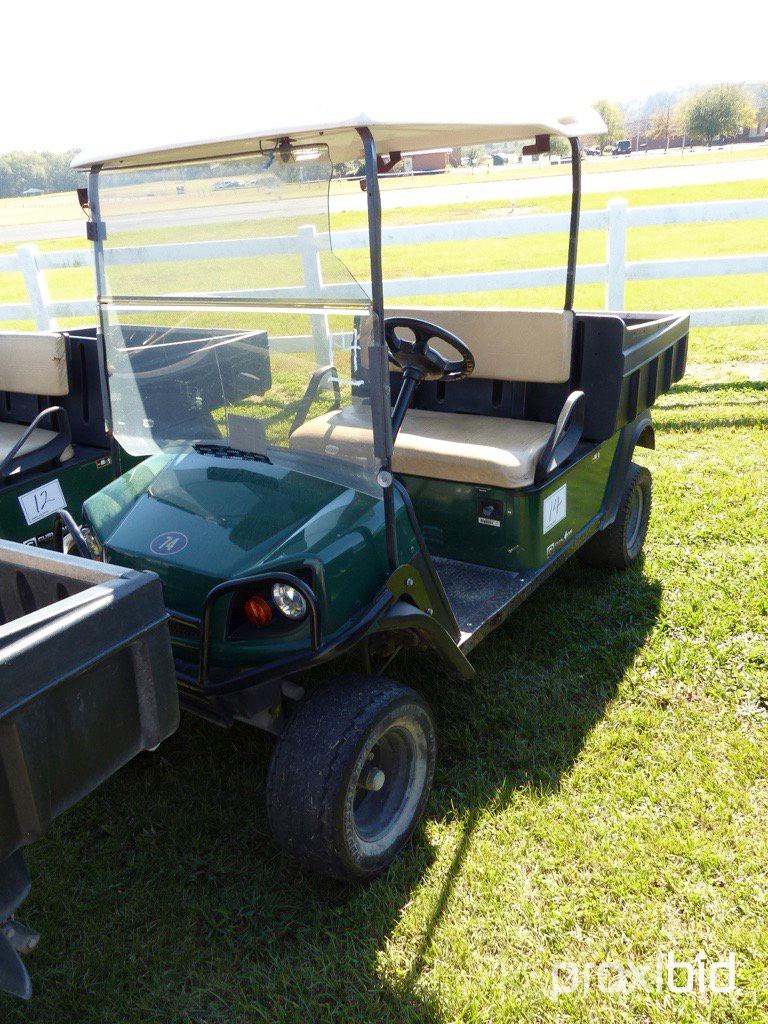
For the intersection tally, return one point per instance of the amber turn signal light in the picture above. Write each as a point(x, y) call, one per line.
point(257, 610)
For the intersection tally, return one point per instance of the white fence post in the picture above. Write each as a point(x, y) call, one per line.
point(616, 254)
point(37, 287)
point(313, 279)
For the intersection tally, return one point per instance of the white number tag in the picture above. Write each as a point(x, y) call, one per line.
point(555, 508)
point(42, 502)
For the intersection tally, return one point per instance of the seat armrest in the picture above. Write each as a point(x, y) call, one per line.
point(565, 435)
point(47, 452)
point(313, 390)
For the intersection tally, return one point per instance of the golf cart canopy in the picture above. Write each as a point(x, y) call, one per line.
point(390, 135)
point(231, 309)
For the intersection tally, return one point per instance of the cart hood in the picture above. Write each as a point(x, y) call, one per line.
point(197, 520)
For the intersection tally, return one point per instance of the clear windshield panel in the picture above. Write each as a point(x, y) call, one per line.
point(265, 384)
point(251, 228)
point(480, 226)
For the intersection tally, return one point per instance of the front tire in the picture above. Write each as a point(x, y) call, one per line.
point(350, 776)
point(621, 543)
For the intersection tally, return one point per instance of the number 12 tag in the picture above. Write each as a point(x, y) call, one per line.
point(42, 502)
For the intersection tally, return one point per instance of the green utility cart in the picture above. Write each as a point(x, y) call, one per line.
point(326, 471)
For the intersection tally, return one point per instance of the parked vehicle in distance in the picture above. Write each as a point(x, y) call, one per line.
point(296, 511)
point(623, 148)
point(592, 150)
point(221, 186)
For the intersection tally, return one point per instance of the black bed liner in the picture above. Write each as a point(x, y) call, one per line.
point(625, 361)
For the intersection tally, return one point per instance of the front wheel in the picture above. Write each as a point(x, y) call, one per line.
point(350, 776)
point(620, 544)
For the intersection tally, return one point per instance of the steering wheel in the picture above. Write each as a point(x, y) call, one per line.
point(419, 358)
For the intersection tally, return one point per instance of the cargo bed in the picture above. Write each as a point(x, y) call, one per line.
point(86, 682)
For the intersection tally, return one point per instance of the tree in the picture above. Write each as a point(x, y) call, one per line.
point(718, 112)
point(48, 171)
point(636, 126)
point(665, 120)
point(759, 94)
point(613, 116)
point(473, 154)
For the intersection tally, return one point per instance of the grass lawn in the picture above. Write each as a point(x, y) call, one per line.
point(487, 255)
point(602, 793)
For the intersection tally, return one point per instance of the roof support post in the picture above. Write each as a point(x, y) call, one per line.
point(573, 236)
point(381, 402)
point(98, 232)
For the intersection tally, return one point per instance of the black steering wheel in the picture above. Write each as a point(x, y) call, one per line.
point(418, 357)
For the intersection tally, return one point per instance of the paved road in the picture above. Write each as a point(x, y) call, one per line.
point(603, 181)
point(439, 194)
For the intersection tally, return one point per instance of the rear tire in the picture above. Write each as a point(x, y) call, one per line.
point(621, 543)
point(350, 776)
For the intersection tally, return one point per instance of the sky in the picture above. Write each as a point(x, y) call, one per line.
point(103, 74)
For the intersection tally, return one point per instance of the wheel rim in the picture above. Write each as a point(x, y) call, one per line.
point(388, 784)
point(635, 520)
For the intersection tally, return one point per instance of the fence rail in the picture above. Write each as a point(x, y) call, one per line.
point(616, 219)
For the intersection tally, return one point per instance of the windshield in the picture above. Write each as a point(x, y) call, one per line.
point(229, 320)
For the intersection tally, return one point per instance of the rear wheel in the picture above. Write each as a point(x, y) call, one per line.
point(350, 776)
point(620, 544)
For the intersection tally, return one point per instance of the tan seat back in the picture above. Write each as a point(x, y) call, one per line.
point(509, 344)
point(33, 363)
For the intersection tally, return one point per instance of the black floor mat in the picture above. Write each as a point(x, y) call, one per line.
point(478, 594)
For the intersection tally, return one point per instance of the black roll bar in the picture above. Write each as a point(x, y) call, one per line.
point(573, 231)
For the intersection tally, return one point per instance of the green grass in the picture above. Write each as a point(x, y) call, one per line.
point(488, 255)
point(601, 794)
point(601, 790)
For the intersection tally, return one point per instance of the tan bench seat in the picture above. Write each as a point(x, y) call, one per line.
point(11, 432)
point(34, 363)
point(485, 450)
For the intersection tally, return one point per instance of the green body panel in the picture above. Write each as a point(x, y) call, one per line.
point(77, 482)
point(512, 535)
point(239, 517)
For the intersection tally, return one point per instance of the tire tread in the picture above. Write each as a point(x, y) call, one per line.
point(607, 549)
point(303, 771)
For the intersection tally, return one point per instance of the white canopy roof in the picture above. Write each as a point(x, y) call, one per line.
point(390, 135)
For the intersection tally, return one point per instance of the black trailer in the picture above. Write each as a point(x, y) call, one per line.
point(83, 645)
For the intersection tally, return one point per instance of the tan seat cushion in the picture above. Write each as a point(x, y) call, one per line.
point(508, 344)
point(447, 446)
point(11, 432)
point(33, 363)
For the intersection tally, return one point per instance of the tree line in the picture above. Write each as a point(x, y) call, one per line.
point(708, 115)
point(50, 172)
point(705, 116)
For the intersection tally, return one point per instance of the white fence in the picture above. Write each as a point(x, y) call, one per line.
point(616, 219)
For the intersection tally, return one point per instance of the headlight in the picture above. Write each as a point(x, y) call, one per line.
point(290, 601)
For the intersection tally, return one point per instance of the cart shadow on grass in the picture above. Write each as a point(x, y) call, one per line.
point(162, 898)
point(747, 402)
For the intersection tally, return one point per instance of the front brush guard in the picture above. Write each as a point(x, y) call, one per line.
point(386, 613)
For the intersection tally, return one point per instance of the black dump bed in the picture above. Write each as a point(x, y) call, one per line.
point(625, 361)
point(86, 682)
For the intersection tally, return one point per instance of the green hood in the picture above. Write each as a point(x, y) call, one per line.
point(197, 520)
